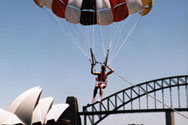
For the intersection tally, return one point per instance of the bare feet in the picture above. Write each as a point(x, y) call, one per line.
point(100, 98)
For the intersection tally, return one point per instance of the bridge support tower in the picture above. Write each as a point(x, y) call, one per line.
point(169, 118)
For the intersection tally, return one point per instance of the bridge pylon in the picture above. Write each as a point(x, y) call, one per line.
point(169, 118)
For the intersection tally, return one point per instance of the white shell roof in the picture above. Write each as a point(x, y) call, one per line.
point(8, 118)
point(56, 111)
point(24, 105)
point(27, 109)
point(41, 110)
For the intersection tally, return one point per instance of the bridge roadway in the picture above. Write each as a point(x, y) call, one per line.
point(133, 111)
point(171, 91)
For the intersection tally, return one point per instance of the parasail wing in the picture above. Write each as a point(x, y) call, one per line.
point(148, 4)
point(37, 2)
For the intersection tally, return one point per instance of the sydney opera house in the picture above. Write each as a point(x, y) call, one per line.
point(29, 109)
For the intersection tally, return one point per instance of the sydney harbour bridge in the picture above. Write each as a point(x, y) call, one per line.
point(166, 95)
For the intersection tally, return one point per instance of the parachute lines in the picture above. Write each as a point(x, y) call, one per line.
point(126, 38)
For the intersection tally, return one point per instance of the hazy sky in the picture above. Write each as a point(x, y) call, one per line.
point(34, 51)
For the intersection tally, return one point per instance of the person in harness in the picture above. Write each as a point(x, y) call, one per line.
point(101, 80)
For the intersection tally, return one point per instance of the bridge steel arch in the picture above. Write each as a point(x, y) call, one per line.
point(119, 101)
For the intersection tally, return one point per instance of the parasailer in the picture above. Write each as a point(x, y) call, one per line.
point(102, 12)
point(101, 80)
point(102, 76)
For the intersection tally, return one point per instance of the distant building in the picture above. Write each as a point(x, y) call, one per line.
point(29, 109)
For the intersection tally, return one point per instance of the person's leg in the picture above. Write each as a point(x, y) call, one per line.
point(95, 92)
point(101, 92)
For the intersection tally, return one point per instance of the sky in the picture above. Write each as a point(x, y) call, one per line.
point(35, 51)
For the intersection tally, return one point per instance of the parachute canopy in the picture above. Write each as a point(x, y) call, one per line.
point(102, 12)
point(91, 38)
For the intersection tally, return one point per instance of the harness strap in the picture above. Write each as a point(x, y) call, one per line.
point(106, 58)
point(94, 61)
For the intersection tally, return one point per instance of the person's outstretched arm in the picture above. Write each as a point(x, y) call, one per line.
point(92, 70)
point(111, 70)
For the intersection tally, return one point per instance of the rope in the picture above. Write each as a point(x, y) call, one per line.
point(74, 32)
point(118, 41)
point(93, 37)
point(150, 95)
point(126, 38)
point(133, 27)
point(110, 39)
point(69, 35)
point(102, 39)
